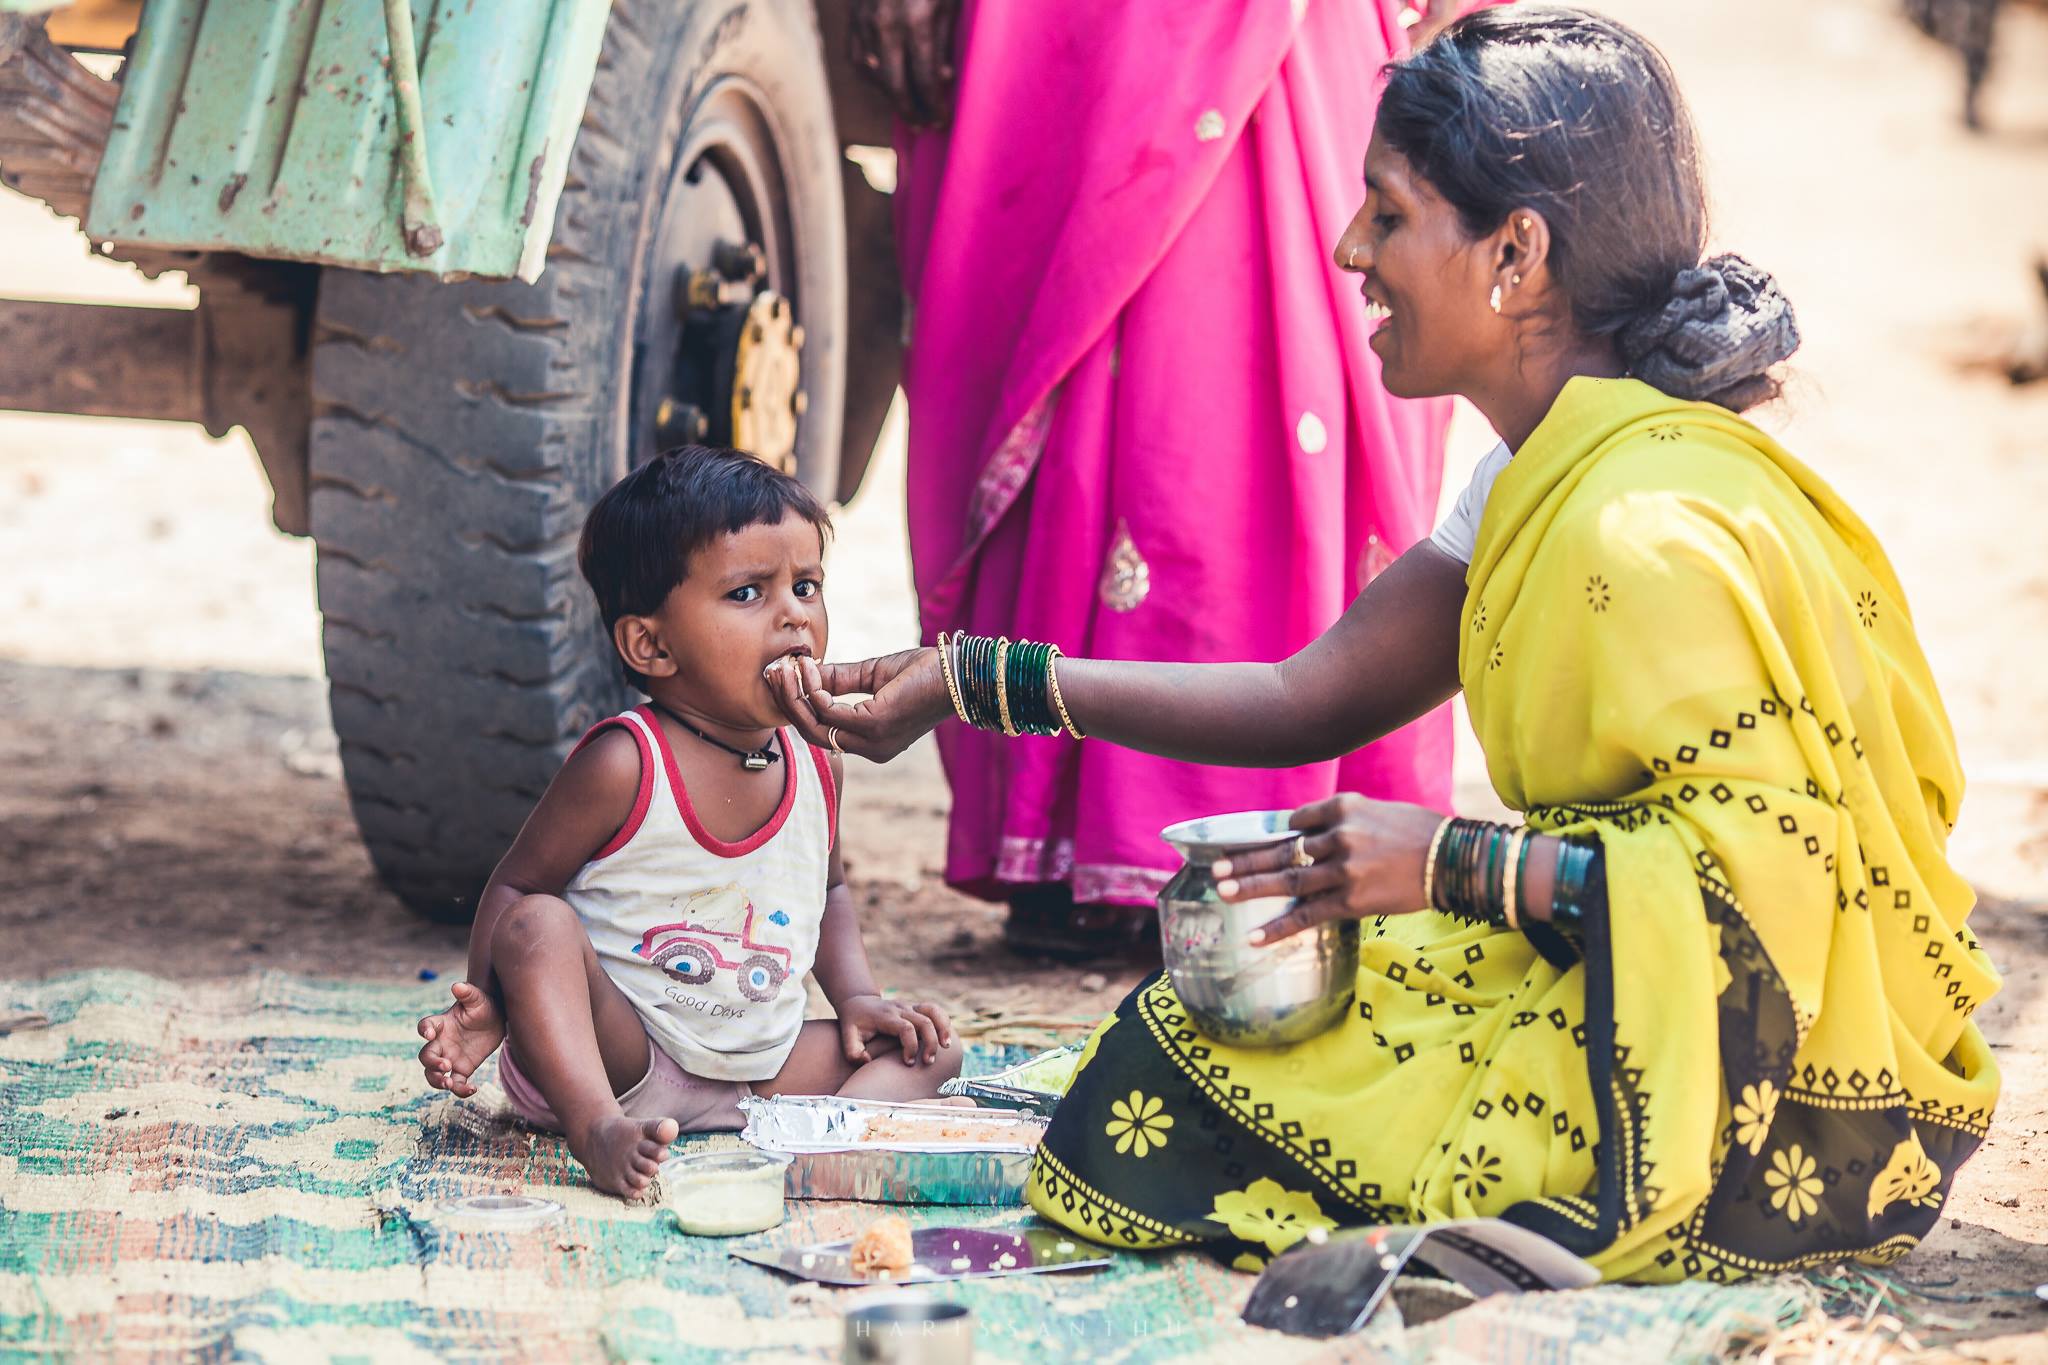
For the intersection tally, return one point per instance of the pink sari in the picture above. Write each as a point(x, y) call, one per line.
point(1144, 420)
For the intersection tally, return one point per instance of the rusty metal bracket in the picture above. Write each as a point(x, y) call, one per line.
point(102, 360)
point(239, 359)
point(419, 218)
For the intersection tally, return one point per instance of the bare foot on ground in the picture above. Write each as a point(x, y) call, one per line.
point(622, 1154)
point(460, 1037)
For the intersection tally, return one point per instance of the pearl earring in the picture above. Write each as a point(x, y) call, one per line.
point(1494, 299)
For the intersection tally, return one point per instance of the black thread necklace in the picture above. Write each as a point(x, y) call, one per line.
point(753, 760)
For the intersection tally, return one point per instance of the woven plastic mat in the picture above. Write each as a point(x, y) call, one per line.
point(246, 1169)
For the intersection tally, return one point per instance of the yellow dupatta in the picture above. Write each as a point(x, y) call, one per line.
point(1679, 640)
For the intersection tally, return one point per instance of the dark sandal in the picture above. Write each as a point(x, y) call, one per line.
point(1045, 922)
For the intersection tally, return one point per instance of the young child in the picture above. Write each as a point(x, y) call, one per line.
point(643, 945)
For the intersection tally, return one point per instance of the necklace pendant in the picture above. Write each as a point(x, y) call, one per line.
point(755, 761)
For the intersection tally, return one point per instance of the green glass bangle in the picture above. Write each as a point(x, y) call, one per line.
point(1447, 867)
point(1469, 867)
point(1574, 874)
point(1460, 863)
point(985, 673)
point(970, 684)
point(1025, 690)
point(1521, 867)
point(1043, 720)
point(990, 672)
point(1027, 683)
point(1047, 719)
point(1489, 883)
point(979, 656)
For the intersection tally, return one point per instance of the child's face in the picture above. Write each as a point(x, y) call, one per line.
point(750, 598)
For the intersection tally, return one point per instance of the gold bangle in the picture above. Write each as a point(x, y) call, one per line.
point(1508, 878)
point(1436, 841)
point(1003, 684)
point(946, 672)
point(1052, 681)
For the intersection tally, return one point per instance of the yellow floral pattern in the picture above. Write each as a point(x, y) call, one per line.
point(1794, 1186)
point(1138, 1125)
point(1265, 1211)
point(1478, 1172)
point(1753, 1115)
point(1909, 1177)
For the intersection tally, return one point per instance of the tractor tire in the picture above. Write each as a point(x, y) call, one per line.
point(462, 430)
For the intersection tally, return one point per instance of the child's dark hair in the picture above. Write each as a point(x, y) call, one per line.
point(639, 537)
point(1578, 117)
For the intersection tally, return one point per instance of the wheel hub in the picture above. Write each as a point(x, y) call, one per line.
point(767, 374)
point(718, 345)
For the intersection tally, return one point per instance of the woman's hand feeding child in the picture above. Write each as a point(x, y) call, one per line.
point(644, 943)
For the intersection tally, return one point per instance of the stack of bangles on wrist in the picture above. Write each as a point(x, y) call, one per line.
point(1474, 873)
point(1007, 685)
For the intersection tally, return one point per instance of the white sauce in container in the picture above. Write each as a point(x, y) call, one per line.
point(725, 1194)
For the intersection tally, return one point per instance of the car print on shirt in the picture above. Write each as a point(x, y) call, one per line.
point(702, 943)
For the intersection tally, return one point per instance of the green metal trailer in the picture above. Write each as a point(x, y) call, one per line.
point(460, 264)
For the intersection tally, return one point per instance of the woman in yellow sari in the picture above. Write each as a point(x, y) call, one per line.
point(1705, 1010)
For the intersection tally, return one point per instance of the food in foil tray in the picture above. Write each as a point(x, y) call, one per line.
point(896, 1153)
point(828, 1123)
point(960, 1126)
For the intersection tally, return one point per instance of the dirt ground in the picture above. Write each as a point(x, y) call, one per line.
point(171, 801)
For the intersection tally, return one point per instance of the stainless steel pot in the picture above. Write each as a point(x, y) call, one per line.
point(1239, 993)
point(908, 1332)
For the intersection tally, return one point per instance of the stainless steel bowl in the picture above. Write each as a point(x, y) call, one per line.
point(1239, 993)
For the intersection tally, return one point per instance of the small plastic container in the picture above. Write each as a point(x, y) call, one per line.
point(725, 1194)
point(496, 1213)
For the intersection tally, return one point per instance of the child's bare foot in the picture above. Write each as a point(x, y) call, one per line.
point(623, 1155)
point(460, 1037)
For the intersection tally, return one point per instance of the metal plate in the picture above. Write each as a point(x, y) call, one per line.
point(271, 129)
point(941, 1254)
point(1333, 1285)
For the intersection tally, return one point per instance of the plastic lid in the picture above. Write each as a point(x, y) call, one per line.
point(723, 1163)
point(497, 1212)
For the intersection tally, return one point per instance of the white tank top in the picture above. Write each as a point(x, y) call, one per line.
point(711, 940)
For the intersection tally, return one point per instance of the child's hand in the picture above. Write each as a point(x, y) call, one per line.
point(921, 1029)
point(459, 1038)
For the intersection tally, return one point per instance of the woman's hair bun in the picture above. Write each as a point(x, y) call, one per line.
point(1716, 335)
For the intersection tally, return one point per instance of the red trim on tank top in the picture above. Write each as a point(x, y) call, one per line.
point(710, 842)
point(642, 800)
point(830, 789)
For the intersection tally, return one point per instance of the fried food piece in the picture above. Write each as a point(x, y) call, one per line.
point(967, 1128)
point(883, 1245)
